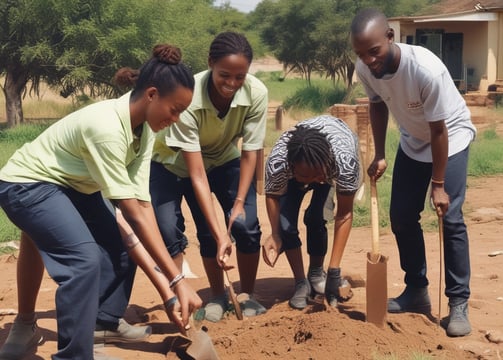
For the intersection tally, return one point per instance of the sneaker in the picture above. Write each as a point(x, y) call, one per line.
point(22, 339)
point(459, 325)
point(250, 306)
point(415, 300)
point(302, 292)
point(216, 308)
point(317, 279)
point(123, 333)
point(97, 355)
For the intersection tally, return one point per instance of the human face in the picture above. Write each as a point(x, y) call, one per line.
point(228, 75)
point(307, 174)
point(165, 110)
point(375, 48)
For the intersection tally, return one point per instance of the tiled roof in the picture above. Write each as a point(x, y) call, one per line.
point(459, 6)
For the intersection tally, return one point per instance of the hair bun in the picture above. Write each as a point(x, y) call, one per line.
point(167, 53)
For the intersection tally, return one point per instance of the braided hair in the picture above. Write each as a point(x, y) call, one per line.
point(164, 71)
point(311, 146)
point(230, 43)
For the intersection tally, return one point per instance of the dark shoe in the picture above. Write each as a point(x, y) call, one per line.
point(317, 279)
point(459, 325)
point(123, 333)
point(302, 292)
point(334, 282)
point(415, 300)
point(22, 338)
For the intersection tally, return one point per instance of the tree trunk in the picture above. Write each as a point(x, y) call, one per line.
point(15, 83)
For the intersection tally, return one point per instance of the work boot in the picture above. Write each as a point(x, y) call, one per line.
point(415, 300)
point(459, 325)
point(302, 291)
point(317, 279)
point(123, 332)
point(23, 338)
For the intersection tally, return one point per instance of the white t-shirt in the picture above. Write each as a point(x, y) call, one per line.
point(421, 91)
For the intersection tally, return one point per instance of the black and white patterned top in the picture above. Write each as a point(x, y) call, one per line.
point(345, 173)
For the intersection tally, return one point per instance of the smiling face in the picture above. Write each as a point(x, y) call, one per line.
point(165, 110)
point(375, 48)
point(228, 75)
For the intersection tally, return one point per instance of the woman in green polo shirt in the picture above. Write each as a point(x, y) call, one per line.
point(199, 155)
point(53, 188)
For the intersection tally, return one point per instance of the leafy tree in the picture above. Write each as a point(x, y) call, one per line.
point(76, 46)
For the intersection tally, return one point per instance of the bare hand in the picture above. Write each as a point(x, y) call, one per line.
point(377, 168)
point(439, 199)
point(189, 302)
point(224, 251)
point(271, 249)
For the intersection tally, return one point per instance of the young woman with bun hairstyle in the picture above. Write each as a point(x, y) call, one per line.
point(55, 189)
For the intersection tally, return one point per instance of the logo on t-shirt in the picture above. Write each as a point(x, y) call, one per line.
point(414, 105)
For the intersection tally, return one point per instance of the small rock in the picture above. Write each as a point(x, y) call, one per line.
point(494, 336)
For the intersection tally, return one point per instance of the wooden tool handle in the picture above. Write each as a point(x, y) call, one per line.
point(374, 217)
point(232, 294)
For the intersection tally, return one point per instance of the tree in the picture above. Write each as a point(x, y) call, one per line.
point(76, 46)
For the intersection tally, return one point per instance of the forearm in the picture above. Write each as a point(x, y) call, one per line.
point(246, 173)
point(143, 224)
point(273, 211)
point(378, 113)
point(342, 228)
point(143, 259)
point(439, 150)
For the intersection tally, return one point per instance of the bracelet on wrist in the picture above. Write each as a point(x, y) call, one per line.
point(170, 302)
point(437, 182)
point(176, 280)
point(238, 199)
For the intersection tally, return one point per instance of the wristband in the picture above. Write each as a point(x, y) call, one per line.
point(438, 182)
point(176, 280)
point(170, 302)
point(239, 199)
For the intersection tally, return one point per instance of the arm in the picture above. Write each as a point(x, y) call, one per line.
point(272, 245)
point(246, 173)
point(378, 113)
point(140, 216)
point(143, 259)
point(342, 227)
point(439, 152)
point(195, 166)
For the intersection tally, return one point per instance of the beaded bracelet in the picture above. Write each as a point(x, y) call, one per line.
point(176, 280)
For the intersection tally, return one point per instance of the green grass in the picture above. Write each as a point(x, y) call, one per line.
point(412, 356)
point(486, 155)
point(10, 140)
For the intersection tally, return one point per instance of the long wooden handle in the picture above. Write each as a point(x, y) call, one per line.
point(374, 217)
point(232, 294)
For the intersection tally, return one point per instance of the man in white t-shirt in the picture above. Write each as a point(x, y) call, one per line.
point(435, 133)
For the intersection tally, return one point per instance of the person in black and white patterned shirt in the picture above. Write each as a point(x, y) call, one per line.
point(319, 153)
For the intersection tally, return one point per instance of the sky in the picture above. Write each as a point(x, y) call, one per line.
point(242, 5)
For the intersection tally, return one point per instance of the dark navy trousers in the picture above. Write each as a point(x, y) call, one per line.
point(410, 185)
point(316, 229)
point(80, 243)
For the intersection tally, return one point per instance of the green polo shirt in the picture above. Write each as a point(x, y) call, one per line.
point(90, 150)
point(200, 129)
